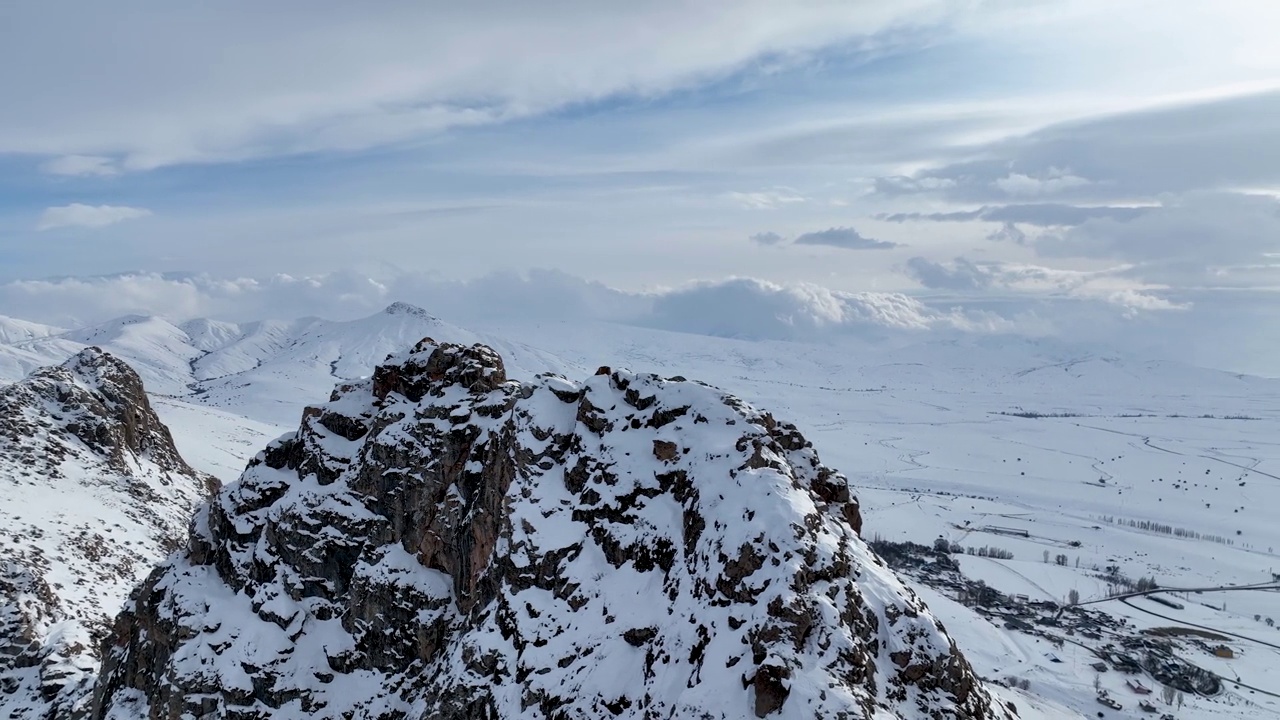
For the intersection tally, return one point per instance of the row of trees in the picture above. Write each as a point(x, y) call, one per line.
point(1060, 559)
point(942, 545)
point(1163, 529)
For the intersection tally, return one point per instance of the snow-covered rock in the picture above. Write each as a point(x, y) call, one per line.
point(438, 541)
point(92, 495)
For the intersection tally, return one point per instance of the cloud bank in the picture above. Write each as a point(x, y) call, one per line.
point(1014, 301)
point(341, 77)
point(80, 165)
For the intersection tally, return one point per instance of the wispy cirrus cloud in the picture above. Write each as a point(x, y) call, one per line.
point(765, 199)
point(1037, 214)
point(80, 165)
point(88, 216)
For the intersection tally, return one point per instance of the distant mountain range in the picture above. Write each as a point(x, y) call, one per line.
point(259, 369)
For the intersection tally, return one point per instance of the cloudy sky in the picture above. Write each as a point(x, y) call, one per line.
point(1086, 168)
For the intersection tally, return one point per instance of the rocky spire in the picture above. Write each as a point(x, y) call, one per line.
point(440, 542)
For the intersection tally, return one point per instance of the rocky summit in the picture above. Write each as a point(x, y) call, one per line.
point(439, 541)
point(93, 494)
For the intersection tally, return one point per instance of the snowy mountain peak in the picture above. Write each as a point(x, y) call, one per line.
point(404, 308)
point(438, 541)
point(13, 330)
point(92, 401)
point(92, 492)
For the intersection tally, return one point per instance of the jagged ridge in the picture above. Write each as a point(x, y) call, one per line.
point(440, 542)
point(92, 494)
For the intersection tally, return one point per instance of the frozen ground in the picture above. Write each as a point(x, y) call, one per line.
point(941, 439)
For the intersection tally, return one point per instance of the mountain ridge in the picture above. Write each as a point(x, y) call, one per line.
point(213, 362)
point(438, 541)
point(92, 493)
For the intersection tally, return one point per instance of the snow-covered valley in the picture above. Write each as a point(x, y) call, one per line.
point(1088, 469)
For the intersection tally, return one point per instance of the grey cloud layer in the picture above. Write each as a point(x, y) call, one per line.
point(1220, 144)
point(335, 76)
point(1038, 214)
point(844, 238)
point(1179, 194)
point(1213, 239)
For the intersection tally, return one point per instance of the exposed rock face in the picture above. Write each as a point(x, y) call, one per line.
point(92, 494)
point(440, 542)
point(94, 398)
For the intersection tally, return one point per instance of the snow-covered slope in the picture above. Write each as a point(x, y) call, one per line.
point(261, 370)
point(440, 542)
point(943, 437)
point(1156, 469)
point(92, 494)
point(267, 370)
point(13, 330)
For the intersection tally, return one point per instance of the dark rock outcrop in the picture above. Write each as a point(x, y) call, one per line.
point(94, 398)
point(441, 542)
point(92, 494)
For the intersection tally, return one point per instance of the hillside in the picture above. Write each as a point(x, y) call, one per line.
point(943, 437)
point(92, 494)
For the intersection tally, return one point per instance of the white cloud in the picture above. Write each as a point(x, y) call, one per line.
point(338, 295)
point(1218, 329)
point(89, 216)
point(737, 307)
point(1053, 181)
point(906, 184)
point(80, 165)
point(1135, 301)
point(346, 77)
point(764, 200)
point(1111, 286)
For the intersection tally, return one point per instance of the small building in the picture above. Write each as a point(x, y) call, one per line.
point(1099, 666)
point(1126, 664)
point(1223, 651)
